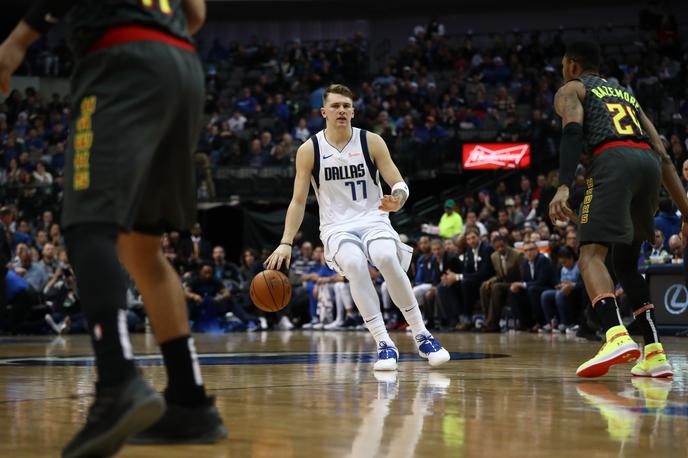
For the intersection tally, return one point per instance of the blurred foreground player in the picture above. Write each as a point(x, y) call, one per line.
point(137, 91)
point(621, 198)
point(344, 165)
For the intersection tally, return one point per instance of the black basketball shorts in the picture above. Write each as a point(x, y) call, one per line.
point(136, 116)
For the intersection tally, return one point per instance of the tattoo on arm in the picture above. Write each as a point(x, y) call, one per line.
point(568, 105)
point(401, 195)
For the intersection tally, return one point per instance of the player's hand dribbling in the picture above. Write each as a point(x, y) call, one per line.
point(558, 208)
point(281, 253)
point(389, 204)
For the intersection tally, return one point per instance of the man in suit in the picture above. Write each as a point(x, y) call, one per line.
point(476, 268)
point(196, 250)
point(538, 275)
point(448, 293)
point(506, 263)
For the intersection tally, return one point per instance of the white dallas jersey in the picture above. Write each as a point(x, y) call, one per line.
point(346, 182)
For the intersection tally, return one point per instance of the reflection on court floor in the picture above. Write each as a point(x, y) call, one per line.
point(314, 394)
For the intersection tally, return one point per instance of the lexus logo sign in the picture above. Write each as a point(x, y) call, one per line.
point(480, 156)
point(676, 299)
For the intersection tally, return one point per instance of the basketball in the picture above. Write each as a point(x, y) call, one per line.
point(270, 290)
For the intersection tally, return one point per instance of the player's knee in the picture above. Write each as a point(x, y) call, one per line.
point(384, 259)
point(352, 264)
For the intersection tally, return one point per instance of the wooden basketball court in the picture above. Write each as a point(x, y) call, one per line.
point(314, 394)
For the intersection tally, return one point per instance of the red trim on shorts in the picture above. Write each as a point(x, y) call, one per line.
point(131, 33)
point(631, 143)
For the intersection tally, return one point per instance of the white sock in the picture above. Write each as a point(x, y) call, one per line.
point(354, 264)
point(383, 253)
point(376, 326)
point(415, 320)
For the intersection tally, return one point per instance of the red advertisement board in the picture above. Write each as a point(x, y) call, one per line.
point(484, 156)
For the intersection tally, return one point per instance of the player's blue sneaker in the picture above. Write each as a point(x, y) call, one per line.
point(430, 349)
point(387, 357)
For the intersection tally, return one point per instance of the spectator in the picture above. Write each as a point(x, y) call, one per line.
point(208, 300)
point(279, 157)
point(289, 146)
point(676, 249)
point(226, 272)
point(472, 221)
point(503, 101)
point(55, 236)
point(476, 269)
point(506, 263)
point(237, 122)
point(301, 132)
point(256, 157)
point(655, 252)
point(22, 233)
point(667, 221)
point(49, 261)
point(32, 271)
point(526, 191)
point(428, 273)
point(562, 305)
point(247, 103)
point(515, 216)
point(266, 144)
point(195, 249)
point(538, 275)
point(41, 176)
point(451, 223)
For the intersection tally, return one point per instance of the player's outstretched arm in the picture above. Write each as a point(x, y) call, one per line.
point(42, 15)
point(390, 173)
point(12, 52)
point(195, 11)
point(670, 178)
point(567, 103)
point(297, 207)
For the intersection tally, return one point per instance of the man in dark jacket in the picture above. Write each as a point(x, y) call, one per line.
point(476, 268)
point(538, 275)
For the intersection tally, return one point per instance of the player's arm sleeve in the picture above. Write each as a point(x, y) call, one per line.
point(43, 14)
point(568, 105)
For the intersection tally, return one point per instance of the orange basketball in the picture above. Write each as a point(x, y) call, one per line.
point(270, 290)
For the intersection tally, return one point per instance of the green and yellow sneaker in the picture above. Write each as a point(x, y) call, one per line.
point(654, 363)
point(619, 348)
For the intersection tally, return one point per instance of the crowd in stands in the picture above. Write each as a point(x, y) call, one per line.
point(499, 265)
point(496, 258)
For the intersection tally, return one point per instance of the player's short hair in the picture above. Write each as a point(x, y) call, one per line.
point(338, 89)
point(586, 53)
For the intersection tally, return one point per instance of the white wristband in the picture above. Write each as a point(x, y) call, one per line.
point(403, 186)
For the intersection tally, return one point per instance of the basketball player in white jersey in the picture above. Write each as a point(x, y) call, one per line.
point(344, 165)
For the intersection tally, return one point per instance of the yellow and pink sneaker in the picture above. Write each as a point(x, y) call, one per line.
point(654, 363)
point(618, 349)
